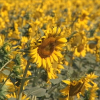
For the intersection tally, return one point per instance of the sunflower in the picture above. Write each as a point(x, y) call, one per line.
point(77, 87)
point(91, 48)
point(80, 49)
point(73, 88)
point(47, 51)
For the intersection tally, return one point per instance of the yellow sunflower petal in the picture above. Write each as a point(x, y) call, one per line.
point(54, 57)
point(51, 74)
point(63, 40)
point(35, 59)
point(66, 81)
point(91, 76)
point(33, 51)
point(65, 91)
point(55, 30)
point(58, 48)
point(76, 53)
point(61, 45)
point(83, 53)
point(78, 96)
point(48, 62)
point(44, 63)
point(58, 54)
point(60, 66)
point(59, 30)
point(51, 59)
point(34, 56)
point(39, 61)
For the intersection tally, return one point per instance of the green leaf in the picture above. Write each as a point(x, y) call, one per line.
point(18, 59)
point(27, 26)
point(42, 33)
point(12, 80)
point(94, 42)
point(67, 58)
point(36, 91)
point(12, 99)
point(55, 81)
point(98, 33)
point(62, 20)
point(3, 92)
point(6, 72)
point(26, 56)
point(92, 31)
point(71, 35)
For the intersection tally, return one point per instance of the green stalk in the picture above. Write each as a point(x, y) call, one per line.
point(53, 88)
point(23, 81)
point(37, 78)
point(5, 65)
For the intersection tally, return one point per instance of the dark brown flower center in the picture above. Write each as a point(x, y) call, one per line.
point(75, 89)
point(80, 48)
point(92, 45)
point(47, 47)
point(83, 17)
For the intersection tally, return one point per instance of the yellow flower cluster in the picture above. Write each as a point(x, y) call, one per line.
point(46, 31)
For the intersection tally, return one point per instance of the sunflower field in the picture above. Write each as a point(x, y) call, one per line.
point(49, 50)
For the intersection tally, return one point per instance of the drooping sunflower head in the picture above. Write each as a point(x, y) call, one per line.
point(77, 87)
point(74, 88)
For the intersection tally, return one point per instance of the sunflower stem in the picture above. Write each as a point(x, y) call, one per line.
point(37, 78)
point(53, 88)
point(23, 81)
point(5, 65)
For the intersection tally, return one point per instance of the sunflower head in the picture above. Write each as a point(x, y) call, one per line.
point(75, 88)
point(92, 45)
point(80, 86)
point(47, 51)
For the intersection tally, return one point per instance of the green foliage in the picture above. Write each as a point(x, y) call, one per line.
point(6, 72)
point(17, 59)
point(4, 55)
point(17, 70)
point(3, 92)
